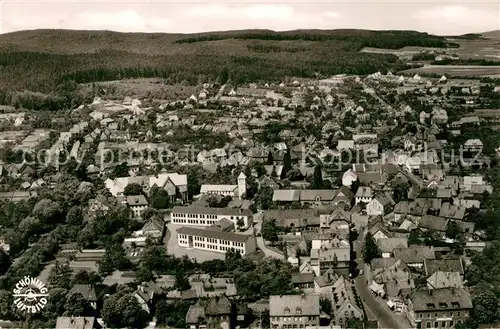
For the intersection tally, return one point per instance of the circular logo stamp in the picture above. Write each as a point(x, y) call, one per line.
point(30, 295)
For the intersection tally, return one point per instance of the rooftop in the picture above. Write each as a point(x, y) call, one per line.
point(212, 211)
point(305, 305)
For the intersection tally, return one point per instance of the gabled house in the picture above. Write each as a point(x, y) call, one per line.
point(303, 281)
point(394, 279)
point(373, 178)
point(415, 256)
point(443, 265)
point(438, 308)
point(217, 312)
point(153, 229)
point(323, 284)
point(145, 294)
point(433, 223)
point(344, 198)
point(137, 203)
point(364, 194)
point(306, 267)
point(452, 211)
point(345, 305)
point(440, 280)
point(381, 204)
point(290, 310)
point(412, 210)
point(87, 291)
point(388, 245)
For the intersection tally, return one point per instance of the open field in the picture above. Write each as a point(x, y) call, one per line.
point(487, 48)
point(458, 70)
point(403, 53)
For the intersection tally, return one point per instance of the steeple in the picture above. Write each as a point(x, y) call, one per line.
point(242, 185)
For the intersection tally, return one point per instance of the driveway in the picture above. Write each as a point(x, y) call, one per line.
point(376, 308)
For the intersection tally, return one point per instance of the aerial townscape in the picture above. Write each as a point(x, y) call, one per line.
point(357, 188)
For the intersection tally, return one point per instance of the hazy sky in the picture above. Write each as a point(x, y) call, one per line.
point(446, 17)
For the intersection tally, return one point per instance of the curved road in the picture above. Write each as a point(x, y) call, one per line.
point(375, 310)
point(260, 241)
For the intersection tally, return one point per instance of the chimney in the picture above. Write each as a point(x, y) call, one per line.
point(430, 292)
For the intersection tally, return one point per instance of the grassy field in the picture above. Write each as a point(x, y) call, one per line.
point(458, 70)
point(403, 53)
point(486, 47)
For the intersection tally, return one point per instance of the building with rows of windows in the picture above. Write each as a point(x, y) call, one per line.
point(205, 216)
point(210, 239)
point(294, 311)
point(439, 308)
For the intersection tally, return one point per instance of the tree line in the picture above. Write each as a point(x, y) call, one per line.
point(44, 72)
point(378, 39)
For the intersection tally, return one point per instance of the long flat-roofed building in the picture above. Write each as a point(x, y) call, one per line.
point(206, 216)
point(215, 240)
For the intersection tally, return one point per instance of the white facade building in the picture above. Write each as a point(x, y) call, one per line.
point(349, 177)
point(137, 203)
point(235, 191)
point(216, 241)
point(205, 216)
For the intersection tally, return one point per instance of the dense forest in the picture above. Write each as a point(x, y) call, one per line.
point(241, 57)
point(359, 38)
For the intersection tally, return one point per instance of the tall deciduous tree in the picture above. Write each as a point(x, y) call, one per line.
point(77, 305)
point(123, 310)
point(317, 182)
point(287, 164)
point(485, 308)
point(133, 189)
point(270, 159)
point(269, 230)
point(370, 249)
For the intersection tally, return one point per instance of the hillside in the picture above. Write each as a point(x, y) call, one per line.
point(40, 60)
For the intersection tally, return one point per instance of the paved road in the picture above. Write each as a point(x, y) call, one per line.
point(375, 309)
point(260, 241)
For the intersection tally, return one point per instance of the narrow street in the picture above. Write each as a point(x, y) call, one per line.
point(260, 240)
point(376, 309)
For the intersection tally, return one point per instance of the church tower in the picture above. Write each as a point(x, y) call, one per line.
point(242, 185)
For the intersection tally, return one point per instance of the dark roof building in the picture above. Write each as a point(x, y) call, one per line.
point(443, 265)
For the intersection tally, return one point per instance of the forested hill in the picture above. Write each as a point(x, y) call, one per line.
point(40, 60)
